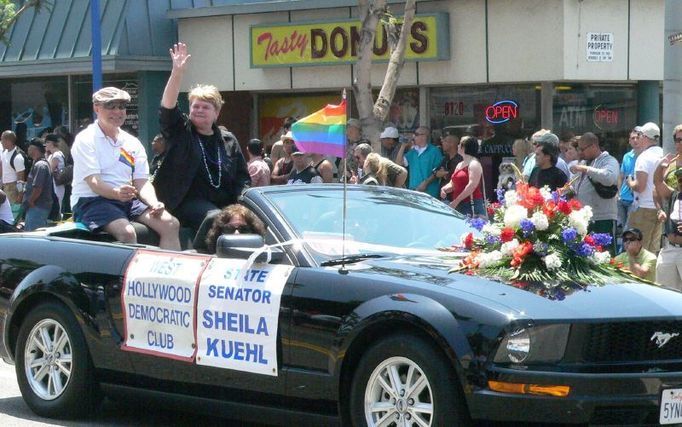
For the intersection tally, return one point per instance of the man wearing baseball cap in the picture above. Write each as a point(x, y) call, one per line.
point(110, 177)
point(390, 140)
point(645, 210)
point(635, 258)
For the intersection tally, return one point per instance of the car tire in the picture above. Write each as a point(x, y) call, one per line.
point(403, 377)
point(53, 366)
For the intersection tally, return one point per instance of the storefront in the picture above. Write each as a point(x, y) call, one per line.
point(570, 67)
point(46, 68)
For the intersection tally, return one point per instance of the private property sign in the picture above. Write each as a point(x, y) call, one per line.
point(336, 42)
point(599, 47)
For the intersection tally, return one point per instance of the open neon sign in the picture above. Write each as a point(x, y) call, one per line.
point(502, 111)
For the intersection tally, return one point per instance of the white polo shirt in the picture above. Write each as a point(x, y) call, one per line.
point(9, 174)
point(116, 162)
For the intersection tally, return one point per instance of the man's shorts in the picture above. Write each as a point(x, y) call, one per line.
point(97, 212)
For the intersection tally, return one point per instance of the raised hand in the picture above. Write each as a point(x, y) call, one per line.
point(179, 55)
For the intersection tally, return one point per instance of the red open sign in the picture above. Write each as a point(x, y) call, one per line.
point(605, 118)
point(502, 111)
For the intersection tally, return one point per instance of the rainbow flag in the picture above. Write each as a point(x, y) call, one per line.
point(323, 132)
point(127, 159)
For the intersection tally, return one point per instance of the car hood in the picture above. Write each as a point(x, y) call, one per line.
point(617, 300)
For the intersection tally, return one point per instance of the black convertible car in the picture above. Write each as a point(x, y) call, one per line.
point(367, 330)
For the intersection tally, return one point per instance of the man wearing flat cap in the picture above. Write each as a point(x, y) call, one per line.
point(110, 177)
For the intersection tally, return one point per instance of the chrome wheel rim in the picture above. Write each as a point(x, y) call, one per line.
point(398, 394)
point(47, 359)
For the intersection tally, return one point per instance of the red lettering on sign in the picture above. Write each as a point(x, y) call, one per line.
point(294, 41)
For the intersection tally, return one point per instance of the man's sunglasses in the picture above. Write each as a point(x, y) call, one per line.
point(114, 105)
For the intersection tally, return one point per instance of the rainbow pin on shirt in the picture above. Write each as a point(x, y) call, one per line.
point(127, 159)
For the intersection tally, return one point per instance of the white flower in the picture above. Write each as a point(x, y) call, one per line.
point(540, 221)
point(514, 215)
point(546, 193)
point(508, 248)
point(489, 258)
point(601, 257)
point(578, 220)
point(511, 198)
point(491, 230)
point(552, 261)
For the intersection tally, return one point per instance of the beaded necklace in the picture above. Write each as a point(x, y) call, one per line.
point(208, 171)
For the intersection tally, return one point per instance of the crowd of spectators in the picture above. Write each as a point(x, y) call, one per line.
point(198, 170)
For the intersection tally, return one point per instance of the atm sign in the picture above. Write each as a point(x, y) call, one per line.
point(502, 112)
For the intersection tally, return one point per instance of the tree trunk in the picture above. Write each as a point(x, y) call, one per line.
point(372, 115)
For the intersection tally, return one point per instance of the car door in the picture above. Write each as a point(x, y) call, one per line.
point(223, 363)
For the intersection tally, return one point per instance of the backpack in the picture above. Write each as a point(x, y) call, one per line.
point(28, 162)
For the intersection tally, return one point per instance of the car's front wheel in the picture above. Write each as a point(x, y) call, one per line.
point(53, 367)
point(404, 380)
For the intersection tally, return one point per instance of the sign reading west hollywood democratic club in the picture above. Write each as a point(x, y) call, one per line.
point(337, 42)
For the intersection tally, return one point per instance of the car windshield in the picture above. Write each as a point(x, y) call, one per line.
point(377, 221)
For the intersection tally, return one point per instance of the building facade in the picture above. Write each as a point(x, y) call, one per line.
point(503, 68)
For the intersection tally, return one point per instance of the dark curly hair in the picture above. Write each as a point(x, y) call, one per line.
point(223, 218)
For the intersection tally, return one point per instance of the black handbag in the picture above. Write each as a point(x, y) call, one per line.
point(604, 191)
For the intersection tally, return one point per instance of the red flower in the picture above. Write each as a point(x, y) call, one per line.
point(589, 240)
point(520, 253)
point(549, 208)
point(506, 235)
point(575, 204)
point(469, 240)
point(564, 208)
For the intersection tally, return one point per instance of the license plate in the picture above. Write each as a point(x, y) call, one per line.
point(671, 406)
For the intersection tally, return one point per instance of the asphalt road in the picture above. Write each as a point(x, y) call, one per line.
point(14, 412)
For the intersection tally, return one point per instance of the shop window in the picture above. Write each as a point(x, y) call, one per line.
point(38, 106)
point(609, 111)
point(496, 115)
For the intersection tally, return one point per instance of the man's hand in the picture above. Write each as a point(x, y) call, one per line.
point(421, 187)
point(125, 193)
point(156, 209)
point(661, 216)
point(578, 168)
point(441, 173)
point(179, 55)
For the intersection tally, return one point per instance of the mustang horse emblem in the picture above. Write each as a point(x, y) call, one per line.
point(662, 338)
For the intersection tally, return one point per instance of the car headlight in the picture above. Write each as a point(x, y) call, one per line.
point(533, 344)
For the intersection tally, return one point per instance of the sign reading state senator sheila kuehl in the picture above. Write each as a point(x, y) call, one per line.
point(336, 42)
point(238, 314)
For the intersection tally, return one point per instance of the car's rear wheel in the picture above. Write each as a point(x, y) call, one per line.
point(53, 367)
point(404, 380)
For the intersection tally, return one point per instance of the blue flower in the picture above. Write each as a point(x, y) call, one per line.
point(527, 226)
point(583, 249)
point(500, 195)
point(569, 234)
point(492, 240)
point(555, 196)
point(602, 239)
point(477, 223)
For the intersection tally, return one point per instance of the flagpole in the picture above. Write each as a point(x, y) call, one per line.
point(343, 270)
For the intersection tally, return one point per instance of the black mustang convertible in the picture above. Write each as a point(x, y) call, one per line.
point(304, 325)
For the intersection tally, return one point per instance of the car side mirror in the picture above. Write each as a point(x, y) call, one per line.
point(241, 246)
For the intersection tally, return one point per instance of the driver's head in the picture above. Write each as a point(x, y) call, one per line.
point(234, 219)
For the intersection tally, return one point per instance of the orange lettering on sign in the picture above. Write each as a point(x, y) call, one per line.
point(293, 42)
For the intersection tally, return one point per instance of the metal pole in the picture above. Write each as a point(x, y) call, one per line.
point(96, 46)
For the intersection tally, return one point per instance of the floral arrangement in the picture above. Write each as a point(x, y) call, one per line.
point(538, 235)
